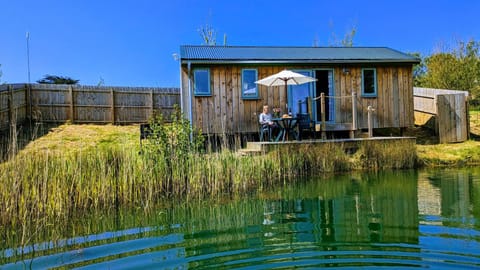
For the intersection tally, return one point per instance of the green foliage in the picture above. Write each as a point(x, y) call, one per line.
point(53, 79)
point(175, 139)
point(419, 70)
point(458, 69)
point(171, 147)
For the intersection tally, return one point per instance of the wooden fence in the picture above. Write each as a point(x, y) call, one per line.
point(444, 110)
point(13, 104)
point(83, 104)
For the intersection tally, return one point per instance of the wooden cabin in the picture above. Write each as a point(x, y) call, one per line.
point(219, 94)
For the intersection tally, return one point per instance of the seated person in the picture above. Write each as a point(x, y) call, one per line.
point(265, 119)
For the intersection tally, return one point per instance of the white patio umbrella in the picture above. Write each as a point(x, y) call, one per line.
point(285, 77)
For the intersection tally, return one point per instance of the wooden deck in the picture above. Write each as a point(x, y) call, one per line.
point(352, 144)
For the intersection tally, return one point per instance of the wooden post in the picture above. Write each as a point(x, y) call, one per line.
point(467, 112)
point(354, 114)
point(28, 101)
point(10, 105)
point(152, 103)
point(370, 111)
point(322, 111)
point(12, 119)
point(72, 117)
point(112, 102)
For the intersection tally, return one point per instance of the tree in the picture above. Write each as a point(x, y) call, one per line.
point(53, 79)
point(347, 40)
point(208, 34)
point(419, 70)
point(101, 82)
point(458, 69)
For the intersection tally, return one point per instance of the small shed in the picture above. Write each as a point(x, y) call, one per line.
point(445, 111)
point(219, 94)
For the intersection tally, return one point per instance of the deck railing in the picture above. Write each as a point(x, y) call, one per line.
point(353, 124)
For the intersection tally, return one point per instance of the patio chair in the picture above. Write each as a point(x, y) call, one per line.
point(265, 131)
point(305, 123)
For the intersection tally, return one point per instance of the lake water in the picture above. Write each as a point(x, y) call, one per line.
point(406, 219)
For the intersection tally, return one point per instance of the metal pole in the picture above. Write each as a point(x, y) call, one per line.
point(29, 87)
point(286, 96)
point(28, 56)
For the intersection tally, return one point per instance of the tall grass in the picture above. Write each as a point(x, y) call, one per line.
point(54, 185)
point(396, 154)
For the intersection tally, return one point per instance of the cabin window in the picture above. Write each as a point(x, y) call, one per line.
point(201, 82)
point(369, 82)
point(249, 87)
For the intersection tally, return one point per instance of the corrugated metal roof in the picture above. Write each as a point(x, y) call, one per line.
point(257, 54)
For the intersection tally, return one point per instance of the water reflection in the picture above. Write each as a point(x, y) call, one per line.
point(401, 219)
point(453, 195)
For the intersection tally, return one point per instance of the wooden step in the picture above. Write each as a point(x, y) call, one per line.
point(249, 152)
point(256, 146)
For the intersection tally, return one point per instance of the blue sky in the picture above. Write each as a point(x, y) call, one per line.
point(131, 42)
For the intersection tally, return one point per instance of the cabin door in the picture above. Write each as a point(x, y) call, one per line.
point(299, 96)
point(324, 84)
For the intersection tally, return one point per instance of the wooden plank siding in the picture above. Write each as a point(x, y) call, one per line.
point(225, 111)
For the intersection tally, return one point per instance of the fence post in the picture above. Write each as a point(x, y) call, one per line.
point(354, 114)
point(28, 101)
point(72, 117)
point(322, 111)
point(152, 103)
point(467, 112)
point(10, 105)
point(112, 101)
point(370, 111)
point(12, 119)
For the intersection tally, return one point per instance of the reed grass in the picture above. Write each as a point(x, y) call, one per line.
point(50, 183)
point(395, 154)
point(55, 185)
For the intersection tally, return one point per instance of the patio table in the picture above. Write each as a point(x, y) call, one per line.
point(287, 127)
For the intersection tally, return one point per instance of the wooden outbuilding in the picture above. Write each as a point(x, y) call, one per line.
point(219, 94)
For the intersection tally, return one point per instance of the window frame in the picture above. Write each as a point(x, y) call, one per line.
point(374, 94)
point(251, 96)
point(195, 91)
